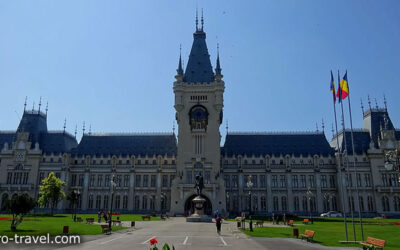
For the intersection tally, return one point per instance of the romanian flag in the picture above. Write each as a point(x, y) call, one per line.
point(343, 90)
point(333, 88)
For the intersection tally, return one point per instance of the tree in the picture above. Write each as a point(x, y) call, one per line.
point(51, 192)
point(18, 205)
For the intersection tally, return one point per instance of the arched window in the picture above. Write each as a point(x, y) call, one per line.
point(105, 202)
point(305, 204)
point(137, 202)
point(117, 202)
point(284, 204)
point(144, 203)
point(90, 205)
point(361, 202)
point(370, 204)
point(276, 204)
point(396, 203)
point(98, 201)
point(296, 204)
point(255, 203)
point(385, 203)
point(263, 203)
point(125, 202)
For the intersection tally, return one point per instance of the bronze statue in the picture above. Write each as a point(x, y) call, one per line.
point(199, 184)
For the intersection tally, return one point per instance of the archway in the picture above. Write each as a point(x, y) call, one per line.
point(207, 205)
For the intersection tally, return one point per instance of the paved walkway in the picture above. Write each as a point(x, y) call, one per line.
point(183, 235)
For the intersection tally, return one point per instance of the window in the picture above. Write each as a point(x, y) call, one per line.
point(384, 180)
point(144, 203)
point(81, 178)
point(332, 182)
point(207, 176)
point(235, 181)
point(305, 204)
point(154, 162)
point(235, 203)
point(126, 180)
point(227, 181)
point(254, 204)
point(351, 203)
point(313, 204)
point(25, 180)
point(98, 201)
point(296, 204)
point(324, 184)
point(153, 181)
point(137, 202)
point(276, 205)
point(125, 202)
point(138, 180)
point(105, 202)
point(263, 203)
point(189, 177)
point(117, 202)
point(58, 175)
point(385, 203)
point(274, 181)
point(396, 203)
point(283, 181)
point(99, 180)
point(262, 181)
point(303, 181)
point(90, 203)
point(165, 181)
point(73, 179)
point(361, 203)
point(9, 178)
point(152, 202)
point(358, 179)
point(283, 201)
point(370, 204)
point(295, 182)
point(311, 180)
point(349, 180)
point(107, 180)
point(92, 178)
point(254, 180)
point(119, 180)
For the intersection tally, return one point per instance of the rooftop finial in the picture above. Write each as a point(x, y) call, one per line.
point(376, 104)
point(362, 106)
point(33, 107)
point(180, 69)
point(227, 127)
point(47, 107)
point(333, 131)
point(40, 104)
point(202, 20)
point(316, 125)
point(90, 129)
point(323, 126)
point(197, 20)
point(65, 124)
point(83, 129)
point(26, 99)
point(385, 102)
point(173, 127)
point(369, 102)
point(218, 66)
point(76, 130)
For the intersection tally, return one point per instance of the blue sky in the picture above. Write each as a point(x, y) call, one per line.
point(112, 63)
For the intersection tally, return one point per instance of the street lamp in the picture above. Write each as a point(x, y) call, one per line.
point(249, 186)
point(113, 184)
point(309, 194)
point(77, 194)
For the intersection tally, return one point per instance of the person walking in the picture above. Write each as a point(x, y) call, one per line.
point(218, 222)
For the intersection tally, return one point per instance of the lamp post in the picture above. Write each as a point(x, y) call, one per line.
point(113, 184)
point(309, 194)
point(249, 186)
point(77, 194)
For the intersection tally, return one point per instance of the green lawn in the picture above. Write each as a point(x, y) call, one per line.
point(41, 225)
point(330, 231)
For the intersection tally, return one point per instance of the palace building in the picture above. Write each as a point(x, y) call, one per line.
point(297, 173)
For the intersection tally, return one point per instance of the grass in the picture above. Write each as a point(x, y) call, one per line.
point(41, 225)
point(330, 231)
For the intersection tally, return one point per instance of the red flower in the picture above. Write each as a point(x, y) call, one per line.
point(153, 241)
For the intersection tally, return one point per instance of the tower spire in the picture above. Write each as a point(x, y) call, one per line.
point(362, 106)
point(40, 104)
point(180, 69)
point(197, 20)
point(33, 107)
point(90, 129)
point(65, 125)
point(323, 126)
point(76, 130)
point(202, 20)
point(369, 102)
point(26, 99)
point(376, 104)
point(83, 129)
point(218, 66)
point(227, 127)
point(385, 102)
point(316, 125)
point(47, 107)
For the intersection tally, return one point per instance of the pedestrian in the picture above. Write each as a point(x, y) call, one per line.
point(218, 222)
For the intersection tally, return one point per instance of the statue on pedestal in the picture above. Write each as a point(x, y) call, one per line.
point(199, 184)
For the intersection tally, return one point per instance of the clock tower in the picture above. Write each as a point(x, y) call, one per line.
point(199, 112)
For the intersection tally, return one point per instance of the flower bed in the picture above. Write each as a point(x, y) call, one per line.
point(5, 218)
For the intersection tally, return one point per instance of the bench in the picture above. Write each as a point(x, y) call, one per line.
point(116, 222)
point(308, 235)
point(305, 221)
point(146, 217)
point(79, 219)
point(373, 243)
point(89, 220)
point(105, 229)
point(259, 223)
point(290, 223)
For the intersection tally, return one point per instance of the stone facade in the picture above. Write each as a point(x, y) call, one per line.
point(297, 173)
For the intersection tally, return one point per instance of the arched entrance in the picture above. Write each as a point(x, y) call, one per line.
point(189, 205)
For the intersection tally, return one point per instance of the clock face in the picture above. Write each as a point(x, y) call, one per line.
point(198, 117)
point(19, 156)
point(199, 114)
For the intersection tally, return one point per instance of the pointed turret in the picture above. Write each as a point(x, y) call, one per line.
point(198, 68)
point(218, 67)
point(179, 71)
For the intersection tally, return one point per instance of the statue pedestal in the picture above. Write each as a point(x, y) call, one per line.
point(198, 215)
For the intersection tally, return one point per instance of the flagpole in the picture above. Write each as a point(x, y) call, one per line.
point(347, 162)
point(354, 162)
point(340, 158)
